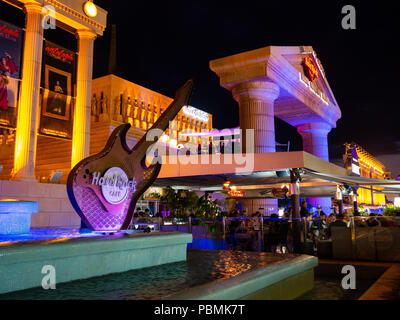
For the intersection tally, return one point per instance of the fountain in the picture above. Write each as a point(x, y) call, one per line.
point(103, 190)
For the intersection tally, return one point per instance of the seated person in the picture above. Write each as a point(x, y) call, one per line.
point(360, 222)
point(141, 218)
point(339, 222)
point(331, 218)
point(372, 221)
point(318, 226)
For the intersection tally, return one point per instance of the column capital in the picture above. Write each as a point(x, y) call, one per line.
point(314, 127)
point(85, 34)
point(259, 90)
point(33, 7)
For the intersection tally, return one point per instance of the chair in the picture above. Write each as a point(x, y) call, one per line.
point(365, 243)
point(342, 247)
point(387, 241)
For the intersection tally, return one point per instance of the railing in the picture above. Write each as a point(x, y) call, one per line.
point(266, 234)
point(372, 238)
point(359, 238)
point(200, 228)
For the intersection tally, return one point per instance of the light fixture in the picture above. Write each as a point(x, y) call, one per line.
point(90, 9)
point(226, 185)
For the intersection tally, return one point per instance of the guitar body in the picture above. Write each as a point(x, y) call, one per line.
point(104, 188)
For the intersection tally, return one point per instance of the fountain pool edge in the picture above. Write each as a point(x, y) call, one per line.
point(283, 281)
point(76, 259)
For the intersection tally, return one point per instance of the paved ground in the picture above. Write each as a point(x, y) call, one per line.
point(387, 287)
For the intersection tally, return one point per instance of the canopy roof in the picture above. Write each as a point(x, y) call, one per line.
point(270, 170)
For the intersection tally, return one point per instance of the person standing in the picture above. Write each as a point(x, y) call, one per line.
point(303, 209)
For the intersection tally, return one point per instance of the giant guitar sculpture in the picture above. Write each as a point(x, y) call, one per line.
point(104, 188)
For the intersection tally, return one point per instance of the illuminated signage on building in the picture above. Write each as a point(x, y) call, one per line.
point(6, 31)
point(237, 194)
point(355, 164)
point(59, 53)
point(10, 60)
point(355, 169)
point(310, 69)
point(114, 185)
point(195, 113)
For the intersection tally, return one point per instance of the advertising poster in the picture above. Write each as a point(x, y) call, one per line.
point(58, 78)
point(10, 65)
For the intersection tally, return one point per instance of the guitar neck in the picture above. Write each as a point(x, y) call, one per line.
point(181, 99)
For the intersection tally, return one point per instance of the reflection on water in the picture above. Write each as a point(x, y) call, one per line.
point(330, 288)
point(202, 266)
point(37, 234)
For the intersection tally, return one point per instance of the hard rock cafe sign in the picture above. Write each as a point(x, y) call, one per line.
point(104, 188)
point(115, 185)
point(310, 69)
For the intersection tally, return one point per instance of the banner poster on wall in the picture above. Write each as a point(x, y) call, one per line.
point(58, 92)
point(10, 61)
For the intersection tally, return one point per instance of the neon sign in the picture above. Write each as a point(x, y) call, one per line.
point(237, 194)
point(310, 69)
point(60, 54)
point(7, 32)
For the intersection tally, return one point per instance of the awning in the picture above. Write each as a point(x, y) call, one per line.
point(388, 186)
point(269, 170)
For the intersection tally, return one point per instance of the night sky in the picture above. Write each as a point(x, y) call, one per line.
point(162, 44)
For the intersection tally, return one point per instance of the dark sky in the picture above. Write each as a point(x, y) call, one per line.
point(163, 43)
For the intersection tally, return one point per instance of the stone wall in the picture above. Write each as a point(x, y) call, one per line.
point(55, 210)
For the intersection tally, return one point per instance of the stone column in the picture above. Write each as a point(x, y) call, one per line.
point(256, 111)
point(81, 129)
point(315, 138)
point(28, 106)
point(315, 141)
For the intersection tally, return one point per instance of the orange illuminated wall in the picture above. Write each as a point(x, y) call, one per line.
point(124, 101)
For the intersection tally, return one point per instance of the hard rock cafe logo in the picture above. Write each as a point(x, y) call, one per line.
point(114, 184)
point(59, 54)
point(310, 69)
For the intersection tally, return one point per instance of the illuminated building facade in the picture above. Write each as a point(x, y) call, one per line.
point(358, 162)
point(32, 146)
point(284, 82)
point(70, 118)
point(116, 101)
